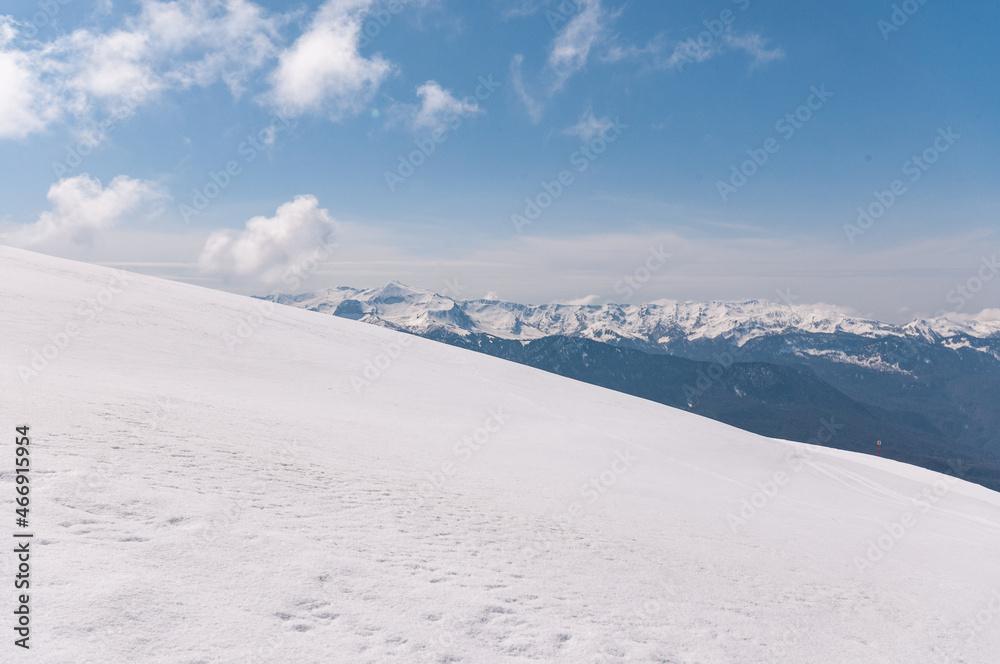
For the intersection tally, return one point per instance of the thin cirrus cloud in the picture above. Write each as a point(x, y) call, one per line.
point(573, 44)
point(518, 8)
point(532, 106)
point(569, 53)
point(661, 53)
point(81, 208)
point(589, 126)
point(269, 249)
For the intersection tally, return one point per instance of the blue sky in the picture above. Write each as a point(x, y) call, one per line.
point(312, 105)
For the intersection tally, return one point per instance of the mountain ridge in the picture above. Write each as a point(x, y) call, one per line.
point(928, 389)
point(655, 324)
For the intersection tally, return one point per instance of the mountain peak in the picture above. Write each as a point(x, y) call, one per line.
point(654, 324)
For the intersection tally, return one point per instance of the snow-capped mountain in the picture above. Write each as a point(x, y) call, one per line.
point(651, 326)
point(200, 499)
point(928, 389)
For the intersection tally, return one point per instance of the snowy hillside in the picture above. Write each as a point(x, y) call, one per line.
point(420, 311)
point(220, 479)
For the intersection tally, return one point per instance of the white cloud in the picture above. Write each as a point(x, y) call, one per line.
point(586, 301)
point(755, 46)
point(210, 40)
point(167, 45)
point(574, 42)
point(568, 55)
point(690, 51)
point(659, 54)
point(984, 316)
point(8, 31)
point(438, 107)
point(589, 126)
point(18, 114)
point(323, 71)
point(269, 249)
point(86, 76)
point(531, 105)
point(82, 208)
point(519, 8)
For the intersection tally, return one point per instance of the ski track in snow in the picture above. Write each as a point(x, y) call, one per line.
point(197, 504)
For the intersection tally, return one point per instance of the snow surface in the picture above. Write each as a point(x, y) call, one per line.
point(215, 480)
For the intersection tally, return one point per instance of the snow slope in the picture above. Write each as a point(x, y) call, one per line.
point(219, 480)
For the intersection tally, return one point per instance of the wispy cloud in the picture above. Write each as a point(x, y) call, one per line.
point(532, 106)
point(573, 44)
point(589, 126)
point(568, 55)
point(584, 301)
point(661, 53)
point(754, 45)
point(518, 8)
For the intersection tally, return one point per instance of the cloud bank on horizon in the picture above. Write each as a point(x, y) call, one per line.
point(230, 134)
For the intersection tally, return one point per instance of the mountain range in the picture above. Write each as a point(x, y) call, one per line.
point(925, 392)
